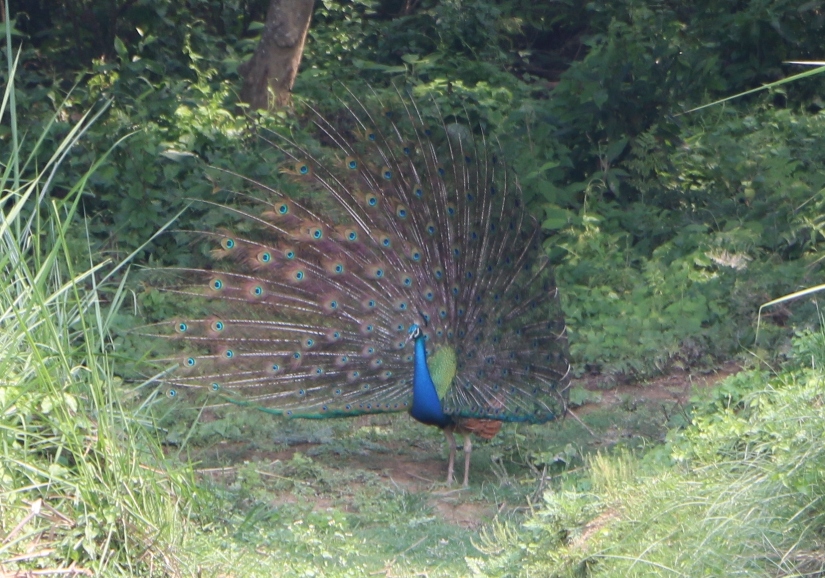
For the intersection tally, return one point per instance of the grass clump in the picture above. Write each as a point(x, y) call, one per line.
point(83, 488)
point(740, 492)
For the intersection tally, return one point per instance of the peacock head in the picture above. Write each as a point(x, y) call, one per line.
point(414, 332)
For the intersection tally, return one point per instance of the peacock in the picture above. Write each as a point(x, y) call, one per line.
point(403, 274)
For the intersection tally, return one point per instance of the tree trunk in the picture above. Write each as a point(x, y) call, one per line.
point(270, 73)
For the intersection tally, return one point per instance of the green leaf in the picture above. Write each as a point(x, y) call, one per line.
point(57, 471)
point(13, 31)
point(557, 217)
point(546, 166)
point(615, 149)
point(121, 50)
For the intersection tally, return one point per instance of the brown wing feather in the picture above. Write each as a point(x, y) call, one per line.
point(483, 428)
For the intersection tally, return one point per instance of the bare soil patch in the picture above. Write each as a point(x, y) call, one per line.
point(419, 466)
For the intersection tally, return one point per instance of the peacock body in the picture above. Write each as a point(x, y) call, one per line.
point(406, 277)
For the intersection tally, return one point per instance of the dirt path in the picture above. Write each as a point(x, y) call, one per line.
point(676, 386)
point(339, 467)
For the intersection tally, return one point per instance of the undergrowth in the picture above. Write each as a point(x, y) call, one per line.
point(667, 228)
point(83, 488)
point(737, 493)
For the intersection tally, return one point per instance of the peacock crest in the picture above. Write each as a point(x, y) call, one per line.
point(408, 263)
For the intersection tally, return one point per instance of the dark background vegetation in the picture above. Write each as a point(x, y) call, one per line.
point(669, 229)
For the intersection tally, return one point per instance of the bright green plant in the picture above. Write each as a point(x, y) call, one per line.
point(739, 492)
point(83, 485)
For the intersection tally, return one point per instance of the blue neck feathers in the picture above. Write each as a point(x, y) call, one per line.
point(426, 407)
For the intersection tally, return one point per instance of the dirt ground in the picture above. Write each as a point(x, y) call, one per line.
point(676, 386)
point(419, 466)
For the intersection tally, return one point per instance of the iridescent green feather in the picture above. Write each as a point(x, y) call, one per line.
point(443, 365)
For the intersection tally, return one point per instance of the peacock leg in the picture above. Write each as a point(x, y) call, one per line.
point(448, 433)
point(468, 450)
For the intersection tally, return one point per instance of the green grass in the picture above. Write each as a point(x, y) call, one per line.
point(83, 486)
point(738, 493)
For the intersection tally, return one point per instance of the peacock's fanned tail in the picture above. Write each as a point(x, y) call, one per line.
point(306, 312)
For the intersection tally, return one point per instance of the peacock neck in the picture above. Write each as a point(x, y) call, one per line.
point(426, 406)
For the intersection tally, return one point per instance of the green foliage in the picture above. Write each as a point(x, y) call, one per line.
point(83, 485)
point(809, 348)
point(339, 31)
point(737, 492)
point(695, 240)
point(756, 175)
point(647, 61)
point(636, 316)
point(650, 215)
